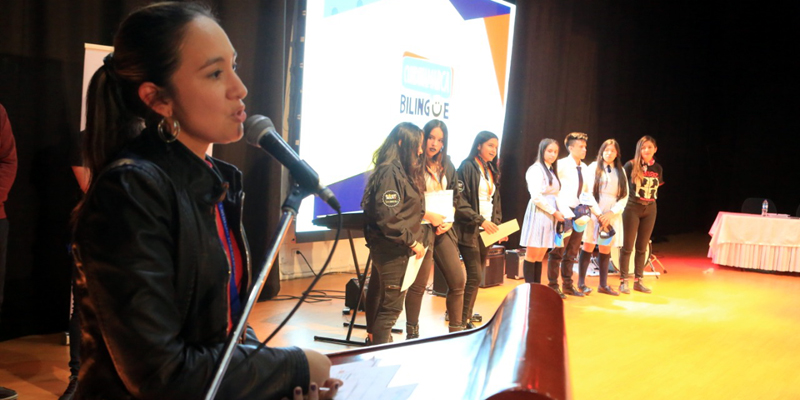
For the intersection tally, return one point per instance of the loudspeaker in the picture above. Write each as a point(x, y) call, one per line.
point(492, 274)
point(351, 291)
point(514, 260)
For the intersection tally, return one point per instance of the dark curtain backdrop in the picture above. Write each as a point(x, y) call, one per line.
point(714, 82)
point(41, 71)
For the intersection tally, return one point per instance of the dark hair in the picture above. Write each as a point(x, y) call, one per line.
point(402, 144)
point(636, 171)
point(571, 137)
point(481, 138)
point(442, 155)
point(540, 159)
point(146, 49)
point(622, 186)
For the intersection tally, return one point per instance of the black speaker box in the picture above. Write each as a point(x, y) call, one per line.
point(492, 274)
point(351, 291)
point(514, 260)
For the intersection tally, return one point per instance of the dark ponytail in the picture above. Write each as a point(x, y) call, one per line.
point(146, 49)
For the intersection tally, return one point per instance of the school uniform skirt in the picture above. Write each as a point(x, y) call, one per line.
point(538, 227)
point(592, 232)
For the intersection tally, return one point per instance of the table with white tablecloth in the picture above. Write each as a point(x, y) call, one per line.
point(753, 241)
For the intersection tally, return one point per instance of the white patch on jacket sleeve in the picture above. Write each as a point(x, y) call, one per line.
point(391, 198)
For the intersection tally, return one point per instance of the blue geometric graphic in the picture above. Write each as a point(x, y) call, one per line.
point(472, 9)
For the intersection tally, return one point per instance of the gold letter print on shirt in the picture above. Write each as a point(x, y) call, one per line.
point(649, 189)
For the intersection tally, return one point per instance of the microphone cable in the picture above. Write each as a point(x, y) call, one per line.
point(303, 298)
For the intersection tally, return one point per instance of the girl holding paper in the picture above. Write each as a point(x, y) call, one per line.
point(539, 226)
point(440, 178)
point(393, 206)
point(479, 179)
point(609, 189)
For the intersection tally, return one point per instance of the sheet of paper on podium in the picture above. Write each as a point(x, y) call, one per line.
point(366, 380)
point(503, 230)
point(412, 268)
point(441, 202)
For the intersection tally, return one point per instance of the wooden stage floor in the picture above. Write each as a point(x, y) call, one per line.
point(706, 332)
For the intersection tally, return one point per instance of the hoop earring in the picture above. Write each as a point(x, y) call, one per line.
point(172, 135)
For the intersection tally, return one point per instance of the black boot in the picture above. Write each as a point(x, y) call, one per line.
point(412, 331)
point(528, 271)
point(583, 266)
point(537, 272)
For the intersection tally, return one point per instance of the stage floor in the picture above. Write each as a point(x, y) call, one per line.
point(706, 332)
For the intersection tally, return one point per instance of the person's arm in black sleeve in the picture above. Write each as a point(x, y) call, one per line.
point(468, 178)
point(126, 256)
point(8, 157)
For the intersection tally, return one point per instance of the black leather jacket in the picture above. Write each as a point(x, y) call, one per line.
point(466, 225)
point(153, 280)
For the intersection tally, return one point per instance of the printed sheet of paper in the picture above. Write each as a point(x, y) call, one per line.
point(366, 380)
point(504, 230)
point(412, 269)
point(441, 202)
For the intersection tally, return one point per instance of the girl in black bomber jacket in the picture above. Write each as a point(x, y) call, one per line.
point(393, 206)
point(479, 180)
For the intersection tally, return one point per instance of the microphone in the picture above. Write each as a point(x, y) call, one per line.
point(260, 132)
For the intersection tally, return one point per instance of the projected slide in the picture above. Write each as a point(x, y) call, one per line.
point(371, 64)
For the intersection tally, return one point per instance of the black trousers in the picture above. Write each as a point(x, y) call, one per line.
point(443, 253)
point(638, 221)
point(563, 257)
point(474, 262)
point(384, 298)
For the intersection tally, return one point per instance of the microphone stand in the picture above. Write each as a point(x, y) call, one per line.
point(289, 208)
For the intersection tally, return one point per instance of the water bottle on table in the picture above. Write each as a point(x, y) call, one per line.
point(764, 208)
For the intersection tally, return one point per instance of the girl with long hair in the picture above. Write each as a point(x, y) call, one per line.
point(608, 185)
point(393, 204)
point(539, 226)
point(479, 180)
point(639, 217)
point(440, 174)
point(163, 263)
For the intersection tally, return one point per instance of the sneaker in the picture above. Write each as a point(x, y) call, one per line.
point(640, 287)
point(558, 290)
point(71, 388)
point(623, 287)
point(7, 394)
point(571, 290)
point(607, 290)
point(585, 289)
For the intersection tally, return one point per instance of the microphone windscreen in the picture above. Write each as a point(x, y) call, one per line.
point(255, 127)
